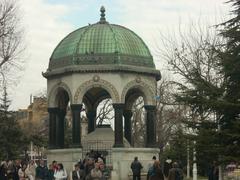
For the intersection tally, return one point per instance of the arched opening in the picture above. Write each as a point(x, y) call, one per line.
point(98, 106)
point(99, 113)
point(134, 117)
point(139, 119)
point(57, 121)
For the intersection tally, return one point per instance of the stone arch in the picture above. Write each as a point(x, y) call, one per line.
point(148, 92)
point(53, 93)
point(96, 82)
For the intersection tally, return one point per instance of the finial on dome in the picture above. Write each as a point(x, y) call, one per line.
point(102, 19)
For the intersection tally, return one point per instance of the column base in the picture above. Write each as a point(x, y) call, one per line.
point(76, 146)
point(151, 146)
point(52, 147)
point(118, 145)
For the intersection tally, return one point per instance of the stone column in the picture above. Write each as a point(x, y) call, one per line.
point(128, 125)
point(60, 128)
point(52, 126)
point(91, 115)
point(118, 125)
point(76, 125)
point(151, 126)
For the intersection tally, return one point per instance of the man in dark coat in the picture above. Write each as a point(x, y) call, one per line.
point(167, 166)
point(136, 167)
point(76, 175)
point(175, 173)
point(42, 171)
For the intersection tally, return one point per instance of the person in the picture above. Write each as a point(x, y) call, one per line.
point(41, 171)
point(105, 171)
point(21, 172)
point(82, 168)
point(96, 174)
point(150, 166)
point(61, 173)
point(175, 173)
point(31, 170)
point(156, 173)
point(76, 173)
point(88, 167)
point(10, 170)
point(136, 167)
point(54, 166)
point(213, 171)
point(167, 166)
point(3, 171)
point(50, 172)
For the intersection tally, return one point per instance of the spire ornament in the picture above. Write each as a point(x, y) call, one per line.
point(102, 19)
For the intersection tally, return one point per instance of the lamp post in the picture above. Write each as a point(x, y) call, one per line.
point(31, 150)
point(194, 162)
point(188, 161)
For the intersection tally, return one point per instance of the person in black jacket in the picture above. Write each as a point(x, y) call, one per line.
point(76, 175)
point(3, 171)
point(136, 167)
point(42, 171)
point(50, 172)
point(167, 166)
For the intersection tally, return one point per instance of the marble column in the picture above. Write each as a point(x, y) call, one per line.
point(60, 121)
point(76, 125)
point(91, 115)
point(151, 126)
point(128, 125)
point(52, 127)
point(118, 125)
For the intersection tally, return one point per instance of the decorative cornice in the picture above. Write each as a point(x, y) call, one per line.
point(109, 58)
point(102, 68)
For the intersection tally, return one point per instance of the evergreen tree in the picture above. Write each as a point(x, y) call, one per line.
point(230, 62)
point(10, 134)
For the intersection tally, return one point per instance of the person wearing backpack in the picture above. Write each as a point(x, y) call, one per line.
point(155, 172)
point(136, 167)
point(175, 173)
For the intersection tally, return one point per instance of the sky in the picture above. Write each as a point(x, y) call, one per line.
point(47, 22)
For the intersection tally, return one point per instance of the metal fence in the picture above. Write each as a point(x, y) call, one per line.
point(103, 148)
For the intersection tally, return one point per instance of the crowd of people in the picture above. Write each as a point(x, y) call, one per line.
point(91, 168)
point(32, 170)
point(171, 170)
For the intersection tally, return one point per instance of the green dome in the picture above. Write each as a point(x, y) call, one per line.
point(101, 44)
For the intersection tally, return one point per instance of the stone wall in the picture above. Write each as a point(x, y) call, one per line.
point(123, 157)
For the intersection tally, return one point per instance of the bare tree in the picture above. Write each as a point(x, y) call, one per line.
point(11, 40)
point(105, 112)
point(193, 59)
point(138, 123)
point(169, 112)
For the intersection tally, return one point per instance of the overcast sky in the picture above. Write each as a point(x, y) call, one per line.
point(46, 22)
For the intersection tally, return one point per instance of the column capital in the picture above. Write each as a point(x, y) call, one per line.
point(118, 105)
point(127, 113)
point(75, 107)
point(91, 112)
point(150, 107)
